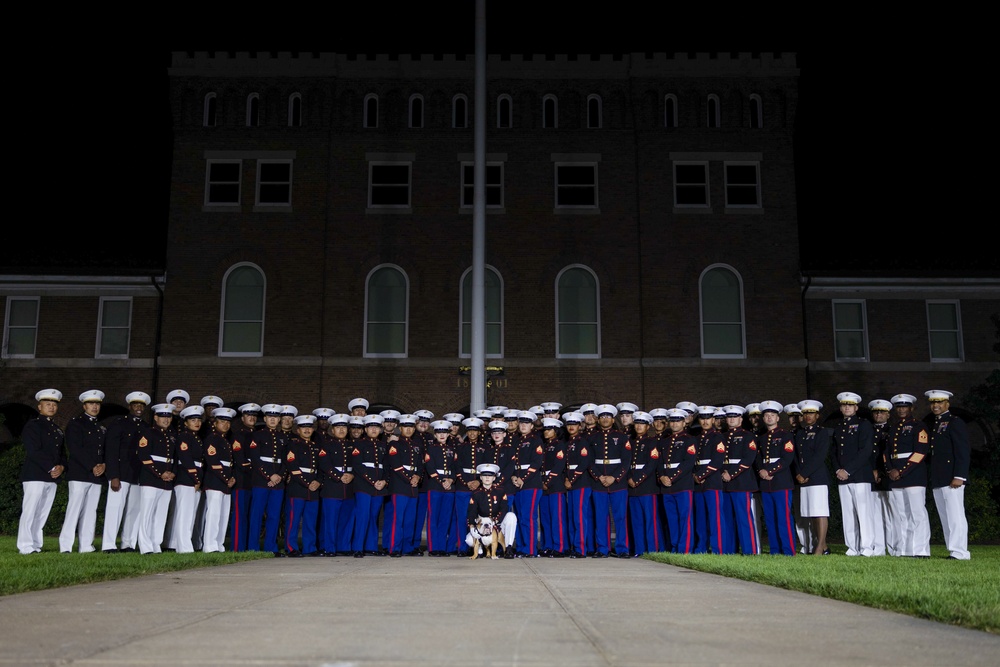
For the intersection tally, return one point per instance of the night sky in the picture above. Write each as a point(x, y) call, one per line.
point(868, 191)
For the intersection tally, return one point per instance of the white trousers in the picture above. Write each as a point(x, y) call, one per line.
point(951, 508)
point(216, 520)
point(153, 504)
point(508, 526)
point(185, 505)
point(38, 497)
point(81, 513)
point(882, 524)
point(803, 526)
point(123, 502)
point(859, 531)
point(911, 527)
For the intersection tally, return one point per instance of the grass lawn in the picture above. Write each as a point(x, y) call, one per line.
point(51, 569)
point(965, 593)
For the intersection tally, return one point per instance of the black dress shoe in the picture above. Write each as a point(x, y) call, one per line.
point(295, 554)
point(826, 552)
point(622, 554)
point(312, 554)
point(374, 553)
point(576, 554)
point(359, 554)
point(396, 554)
point(509, 553)
point(598, 554)
point(277, 554)
point(329, 554)
point(414, 553)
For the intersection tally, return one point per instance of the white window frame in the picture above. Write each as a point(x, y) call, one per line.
point(210, 98)
point(462, 319)
point(708, 112)
point(596, 186)
point(222, 312)
point(367, 122)
point(260, 163)
point(701, 314)
point(741, 163)
point(510, 119)
point(837, 329)
point(100, 328)
point(460, 97)
point(466, 165)
point(669, 102)
point(208, 182)
point(291, 108)
point(416, 97)
point(708, 195)
point(555, 112)
point(7, 327)
point(406, 323)
point(755, 101)
point(957, 332)
point(409, 183)
point(600, 112)
point(251, 98)
point(597, 298)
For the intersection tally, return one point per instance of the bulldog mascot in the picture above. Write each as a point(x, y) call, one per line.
point(491, 525)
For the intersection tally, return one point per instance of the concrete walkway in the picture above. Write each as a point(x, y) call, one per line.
point(439, 612)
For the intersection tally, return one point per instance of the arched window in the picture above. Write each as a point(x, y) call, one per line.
point(416, 111)
point(594, 121)
point(241, 329)
point(494, 314)
point(295, 110)
point(670, 110)
point(210, 115)
point(371, 110)
point(756, 115)
point(387, 311)
point(460, 112)
point(550, 112)
point(722, 330)
point(578, 309)
point(253, 110)
point(505, 112)
point(713, 111)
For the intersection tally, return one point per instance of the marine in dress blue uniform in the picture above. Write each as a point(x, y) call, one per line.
point(440, 463)
point(121, 461)
point(85, 473)
point(218, 480)
point(404, 461)
point(371, 486)
point(44, 464)
point(157, 449)
point(740, 483)
point(775, 454)
point(812, 447)
point(579, 455)
point(552, 509)
point(679, 457)
point(950, 456)
point(853, 447)
point(303, 489)
point(337, 493)
point(905, 455)
point(242, 489)
point(267, 464)
point(609, 469)
point(711, 524)
point(643, 492)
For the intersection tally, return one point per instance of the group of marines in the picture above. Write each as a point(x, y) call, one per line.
point(598, 481)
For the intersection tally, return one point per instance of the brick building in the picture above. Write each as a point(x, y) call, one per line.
point(642, 243)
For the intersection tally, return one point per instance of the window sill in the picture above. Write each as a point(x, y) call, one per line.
point(377, 210)
point(272, 208)
point(221, 208)
point(582, 210)
point(490, 210)
point(751, 210)
point(695, 210)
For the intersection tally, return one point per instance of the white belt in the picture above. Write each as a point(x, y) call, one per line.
point(524, 466)
point(406, 467)
point(343, 470)
point(640, 466)
point(469, 471)
point(441, 472)
point(734, 460)
point(607, 461)
point(774, 460)
point(572, 466)
point(161, 459)
point(197, 464)
point(308, 470)
point(268, 459)
point(673, 465)
point(369, 464)
point(904, 455)
point(546, 473)
point(704, 462)
point(226, 463)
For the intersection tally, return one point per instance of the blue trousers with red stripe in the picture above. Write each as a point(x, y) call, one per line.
point(330, 510)
point(239, 520)
point(302, 514)
point(677, 507)
point(265, 508)
point(440, 520)
point(578, 508)
point(398, 523)
point(418, 523)
point(553, 519)
point(647, 535)
point(461, 529)
point(710, 522)
point(617, 503)
point(366, 509)
point(526, 511)
point(778, 519)
point(739, 509)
